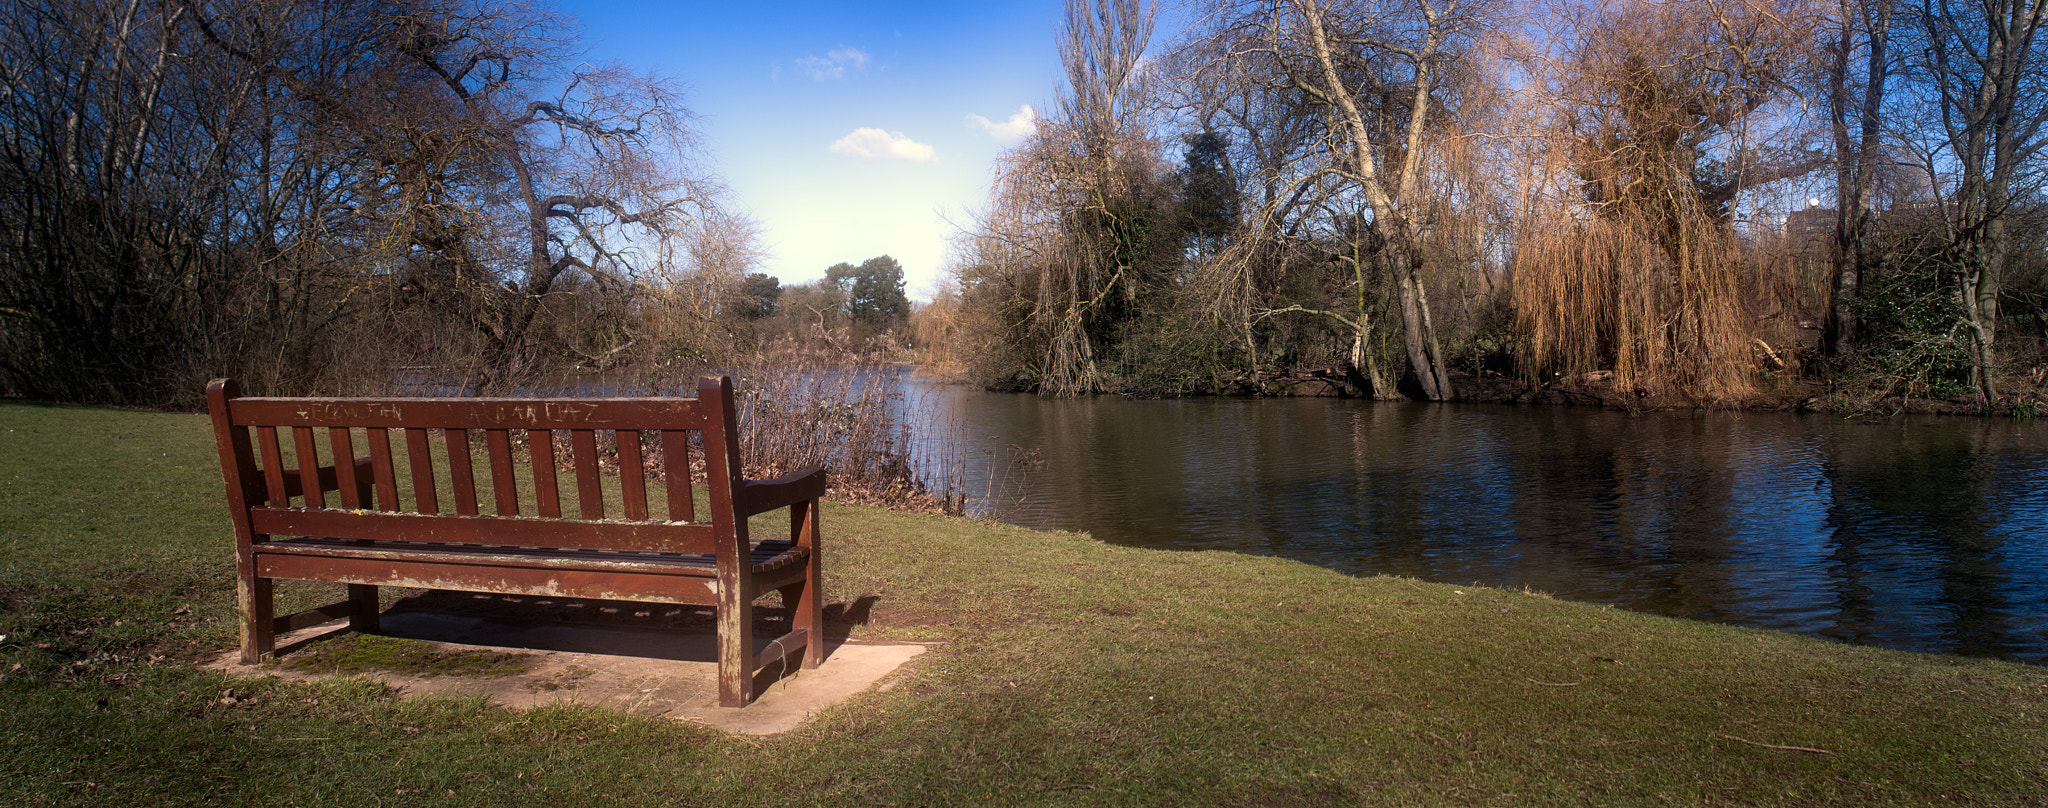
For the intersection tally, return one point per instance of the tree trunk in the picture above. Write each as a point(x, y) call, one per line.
point(1363, 362)
point(1980, 306)
point(1857, 161)
point(1418, 337)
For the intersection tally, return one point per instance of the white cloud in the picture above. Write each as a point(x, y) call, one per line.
point(1018, 127)
point(834, 64)
point(853, 56)
point(875, 144)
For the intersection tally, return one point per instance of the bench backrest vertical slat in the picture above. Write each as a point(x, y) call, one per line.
point(675, 465)
point(380, 468)
point(273, 465)
point(419, 459)
point(722, 462)
point(309, 466)
point(547, 496)
point(498, 444)
point(461, 476)
point(238, 465)
point(345, 467)
point(589, 490)
point(632, 474)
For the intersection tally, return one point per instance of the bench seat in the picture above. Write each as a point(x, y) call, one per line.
point(402, 563)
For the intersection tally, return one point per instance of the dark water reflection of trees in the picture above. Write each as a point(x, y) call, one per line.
point(1927, 535)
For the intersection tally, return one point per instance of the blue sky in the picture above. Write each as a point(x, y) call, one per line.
point(844, 128)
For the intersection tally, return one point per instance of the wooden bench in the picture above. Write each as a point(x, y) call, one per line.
point(409, 516)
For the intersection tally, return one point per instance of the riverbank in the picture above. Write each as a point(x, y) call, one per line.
point(2025, 395)
point(1067, 672)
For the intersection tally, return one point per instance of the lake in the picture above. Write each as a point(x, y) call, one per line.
point(1920, 534)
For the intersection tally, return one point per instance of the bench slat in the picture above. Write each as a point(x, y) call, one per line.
point(348, 486)
point(498, 444)
point(632, 474)
point(589, 492)
point(675, 466)
point(547, 496)
point(380, 469)
point(470, 575)
point(419, 459)
point(460, 474)
point(768, 555)
point(309, 466)
point(471, 413)
point(273, 465)
point(662, 537)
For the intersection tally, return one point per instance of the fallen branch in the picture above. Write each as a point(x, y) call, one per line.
point(1550, 684)
point(1770, 354)
point(1775, 746)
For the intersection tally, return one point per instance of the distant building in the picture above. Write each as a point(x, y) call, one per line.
point(1810, 230)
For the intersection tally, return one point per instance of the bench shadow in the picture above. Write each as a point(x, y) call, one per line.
point(574, 625)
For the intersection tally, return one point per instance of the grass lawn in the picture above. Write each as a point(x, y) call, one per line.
point(1070, 673)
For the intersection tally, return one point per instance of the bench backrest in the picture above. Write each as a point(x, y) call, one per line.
point(401, 469)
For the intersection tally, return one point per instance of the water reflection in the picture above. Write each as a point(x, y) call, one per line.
point(1930, 535)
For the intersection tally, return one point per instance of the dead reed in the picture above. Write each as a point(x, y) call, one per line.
point(854, 421)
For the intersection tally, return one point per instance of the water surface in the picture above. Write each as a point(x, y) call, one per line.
point(1928, 534)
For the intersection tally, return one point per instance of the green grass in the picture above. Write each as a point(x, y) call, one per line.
point(1071, 673)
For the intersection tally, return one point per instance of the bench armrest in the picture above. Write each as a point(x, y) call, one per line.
point(802, 485)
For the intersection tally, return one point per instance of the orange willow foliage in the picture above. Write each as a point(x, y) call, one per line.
point(1660, 110)
point(1607, 294)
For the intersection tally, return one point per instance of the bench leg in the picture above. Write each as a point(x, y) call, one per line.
point(735, 642)
point(806, 614)
point(807, 609)
point(259, 618)
point(363, 607)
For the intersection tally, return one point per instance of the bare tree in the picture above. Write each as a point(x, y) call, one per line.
point(1372, 73)
point(693, 307)
point(1100, 162)
point(164, 223)
point(1986, 66)
point(491, 170)
point(1076, 230)
point(1275, 152)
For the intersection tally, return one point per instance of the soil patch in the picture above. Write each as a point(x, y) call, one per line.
point(521, 661)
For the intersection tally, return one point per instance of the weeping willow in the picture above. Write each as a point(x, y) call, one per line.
point(1639, 270)
point(1662, 310)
